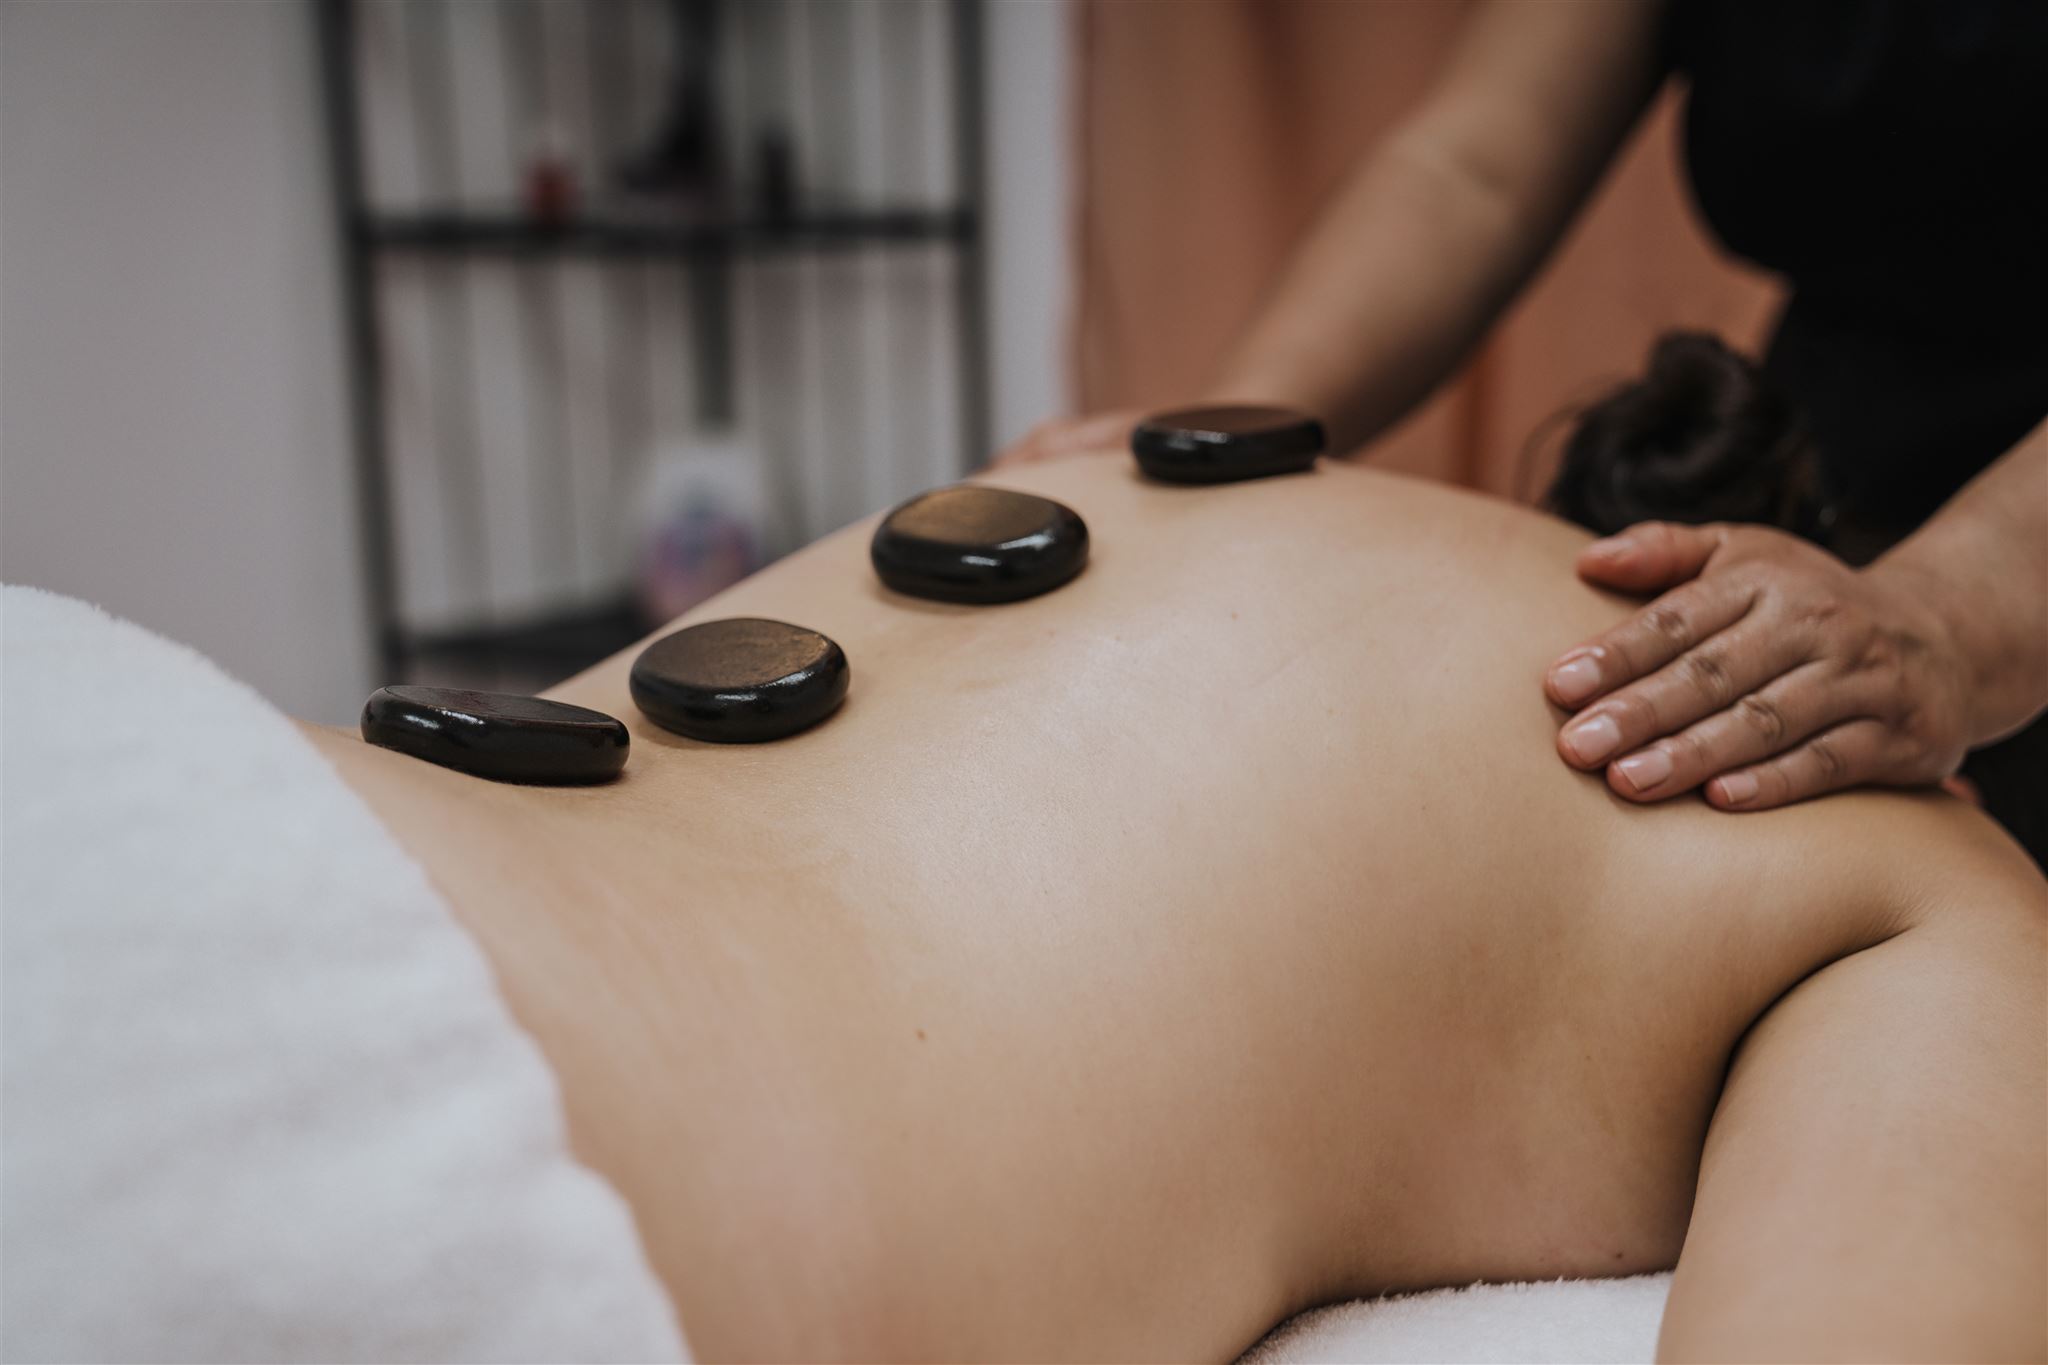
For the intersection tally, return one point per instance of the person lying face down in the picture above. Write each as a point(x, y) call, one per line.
point(1123, 970)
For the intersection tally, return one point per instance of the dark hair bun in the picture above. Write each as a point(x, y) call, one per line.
point(1701, 437)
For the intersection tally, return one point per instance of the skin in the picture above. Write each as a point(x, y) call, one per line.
point(1767, 670)
point(1124, 970)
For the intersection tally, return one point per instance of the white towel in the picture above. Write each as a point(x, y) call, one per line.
point(262, 1100)
point(1562, 1321)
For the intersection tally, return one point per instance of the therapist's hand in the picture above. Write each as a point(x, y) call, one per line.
point(1098, 433)
point(1770, 671)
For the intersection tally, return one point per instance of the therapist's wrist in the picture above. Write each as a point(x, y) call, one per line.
point(1337, 438)
point(2003, 673)
point(1265, 383)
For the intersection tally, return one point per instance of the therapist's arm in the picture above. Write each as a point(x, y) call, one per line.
point(1439, 225)
point(1770, 671)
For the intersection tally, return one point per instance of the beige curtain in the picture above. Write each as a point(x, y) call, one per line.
point(1211, 130)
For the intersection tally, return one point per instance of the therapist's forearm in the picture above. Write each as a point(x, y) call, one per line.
point(1439, 227)
point(1984, 558)
point(1396, 284)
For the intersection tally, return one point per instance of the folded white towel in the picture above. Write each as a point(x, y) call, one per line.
point(1561, 1321)
point(262, 1100)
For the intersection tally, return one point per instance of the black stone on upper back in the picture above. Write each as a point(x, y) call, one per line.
point(742, 680)
point(971, 543)
point(1226, 444)
point(499, 735)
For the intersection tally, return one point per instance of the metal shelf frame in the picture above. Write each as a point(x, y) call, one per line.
point(598, 236)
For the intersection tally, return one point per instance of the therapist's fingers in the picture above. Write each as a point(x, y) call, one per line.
point(1717, 673)
point(1650, 555)
point(1667, 628)
point(1756, 726)
point(1842, 756)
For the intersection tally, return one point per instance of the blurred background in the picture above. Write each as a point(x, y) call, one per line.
point(357, 341)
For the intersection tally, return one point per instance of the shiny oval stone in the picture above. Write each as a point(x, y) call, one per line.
point(741, 680)
point(498, 735)
point(1223, 445)
point(972, 543)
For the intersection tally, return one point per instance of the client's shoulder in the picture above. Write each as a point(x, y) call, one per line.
point(1915, 855)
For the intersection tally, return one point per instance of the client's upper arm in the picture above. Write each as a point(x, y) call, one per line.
point(1875, 1181)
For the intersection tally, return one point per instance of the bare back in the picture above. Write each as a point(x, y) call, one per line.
point(1124, 969)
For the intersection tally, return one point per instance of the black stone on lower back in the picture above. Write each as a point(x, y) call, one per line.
point(498, 734)
point(1226, 444)
point(741, 680)
point(971, 543)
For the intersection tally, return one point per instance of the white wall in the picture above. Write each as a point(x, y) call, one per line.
point(173, 437)
point(173, 420)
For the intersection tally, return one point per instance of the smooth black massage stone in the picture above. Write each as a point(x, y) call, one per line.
point(971, 543)
point(1223, 445)
point(497, 734)
point(740, 681)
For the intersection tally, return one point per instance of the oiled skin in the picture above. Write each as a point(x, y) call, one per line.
point(1122, 970)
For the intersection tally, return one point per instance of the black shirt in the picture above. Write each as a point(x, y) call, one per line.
point(1889, 158)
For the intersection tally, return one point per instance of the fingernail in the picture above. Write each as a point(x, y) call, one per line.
point(1592, 740)
point(1611, 546)
point(1575, 680)
point(1736, 788)
point(1646, 769)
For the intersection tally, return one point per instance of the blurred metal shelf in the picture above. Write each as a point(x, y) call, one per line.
point(546, 644)
point(709, 244)
point(599, 236)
